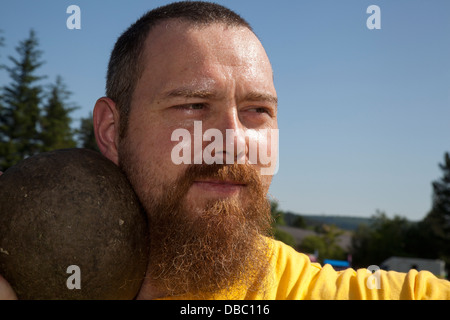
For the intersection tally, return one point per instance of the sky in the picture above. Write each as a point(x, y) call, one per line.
point(364, 114)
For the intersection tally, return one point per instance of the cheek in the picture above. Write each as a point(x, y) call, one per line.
point(149, 140)
point(147, 150)
point(262, 146)
point(149, 171)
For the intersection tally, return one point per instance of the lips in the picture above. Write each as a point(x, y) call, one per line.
point(219, 186)
point(220, 182)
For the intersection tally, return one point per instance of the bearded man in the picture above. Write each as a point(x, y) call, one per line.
point(180, 64)
point(196, 62)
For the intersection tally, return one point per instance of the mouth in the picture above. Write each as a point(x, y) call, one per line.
point(220, 187)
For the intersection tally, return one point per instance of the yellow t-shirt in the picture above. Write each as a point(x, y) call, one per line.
point(295, 277)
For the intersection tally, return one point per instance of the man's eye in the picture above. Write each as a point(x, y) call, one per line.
point(191, 106)
point(260, 110)
point(196, 106)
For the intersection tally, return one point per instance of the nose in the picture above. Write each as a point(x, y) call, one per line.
point(234, 146)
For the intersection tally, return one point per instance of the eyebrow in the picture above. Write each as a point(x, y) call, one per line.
point(190, 93)
point(208, 94)
point(259, 96)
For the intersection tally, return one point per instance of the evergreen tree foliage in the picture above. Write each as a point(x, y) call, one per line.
point(438, 219)
point(32, 119)
point(56, 132)
point(1, 67)
point(2, 43)
point(86, 135)
point(439, 216)
point(383, 239)
point(19, 115)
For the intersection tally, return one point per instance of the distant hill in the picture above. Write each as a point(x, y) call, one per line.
point(342, 222)
point(344, 240)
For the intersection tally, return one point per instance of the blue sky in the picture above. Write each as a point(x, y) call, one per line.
point(364, 115)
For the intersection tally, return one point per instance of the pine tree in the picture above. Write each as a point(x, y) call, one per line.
point(1, 67)
point(438, 219)
point(19, 136)
point(56, 132)
point(86, 135)
point(384, 238)
point(441, 199)
point(2, 42)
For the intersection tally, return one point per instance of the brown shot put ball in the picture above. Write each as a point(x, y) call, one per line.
point(71, 227)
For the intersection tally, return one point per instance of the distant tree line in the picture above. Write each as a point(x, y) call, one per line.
point(428, 238)
point(35, 117)
point(384, 237)
point(324, 242)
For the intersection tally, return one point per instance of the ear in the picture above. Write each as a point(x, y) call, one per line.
point(106, 128)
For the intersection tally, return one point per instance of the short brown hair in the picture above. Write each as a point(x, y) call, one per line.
point(125, 66)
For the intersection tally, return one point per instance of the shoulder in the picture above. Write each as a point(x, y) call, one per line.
point(296, 277)
point(284, 255)
point(292, 271)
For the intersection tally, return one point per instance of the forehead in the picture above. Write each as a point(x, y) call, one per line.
point(177, 53)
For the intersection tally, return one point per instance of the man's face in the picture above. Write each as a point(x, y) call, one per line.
point(214, 75)
point(220, 76)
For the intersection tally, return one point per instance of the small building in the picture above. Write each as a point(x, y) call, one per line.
point(401, 264)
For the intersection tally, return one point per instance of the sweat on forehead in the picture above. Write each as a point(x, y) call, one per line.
point(203, 63)
point(124, 68)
